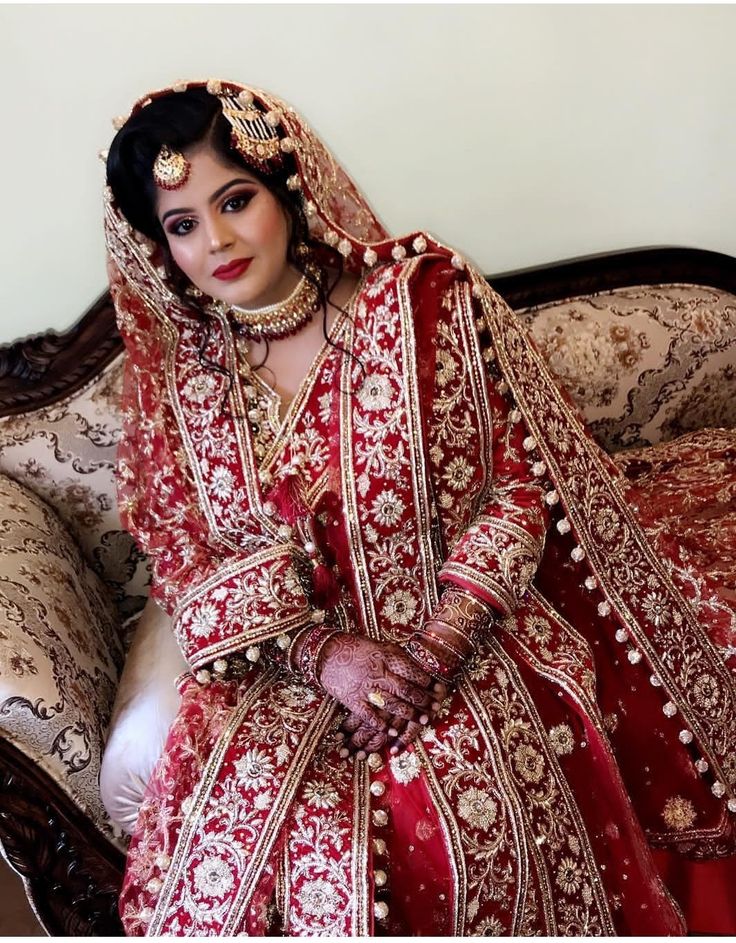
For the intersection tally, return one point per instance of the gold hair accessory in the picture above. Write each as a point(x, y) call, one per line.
point(375, 697)
point(170, 169)
point(254, 132)
point(285, 317)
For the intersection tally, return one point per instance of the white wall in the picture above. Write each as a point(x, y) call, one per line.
point(521, 134)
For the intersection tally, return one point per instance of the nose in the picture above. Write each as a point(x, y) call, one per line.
point(219, 235)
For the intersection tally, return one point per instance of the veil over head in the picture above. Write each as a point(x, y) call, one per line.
point(267, 132)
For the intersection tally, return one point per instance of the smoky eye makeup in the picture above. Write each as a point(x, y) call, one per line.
point(180, 227)
point(241, 199)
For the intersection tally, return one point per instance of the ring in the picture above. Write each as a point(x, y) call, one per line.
point(375, 697)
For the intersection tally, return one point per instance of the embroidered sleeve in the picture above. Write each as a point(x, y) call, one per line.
point(485, 470)
point(498, 555)
point(221, 601)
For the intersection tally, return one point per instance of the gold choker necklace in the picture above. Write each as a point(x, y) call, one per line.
point(285, 317)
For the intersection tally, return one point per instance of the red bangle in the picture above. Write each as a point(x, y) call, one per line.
point(428, 661)
point(443, 642)
point(311, 650)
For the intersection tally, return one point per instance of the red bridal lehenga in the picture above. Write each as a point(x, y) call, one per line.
point(591, 742)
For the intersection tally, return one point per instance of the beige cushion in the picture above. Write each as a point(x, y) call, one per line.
point(145, 706)
point(60, 650)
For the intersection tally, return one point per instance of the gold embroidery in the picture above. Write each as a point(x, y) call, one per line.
point(561, 739)
point(678, 813)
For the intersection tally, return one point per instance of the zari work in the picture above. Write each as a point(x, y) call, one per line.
point(439, 454)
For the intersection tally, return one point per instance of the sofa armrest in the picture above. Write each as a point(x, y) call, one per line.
point(60, 651)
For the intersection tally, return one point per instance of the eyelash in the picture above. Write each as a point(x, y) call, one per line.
point(174, 230)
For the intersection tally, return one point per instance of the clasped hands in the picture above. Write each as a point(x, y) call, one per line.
point(390, 698)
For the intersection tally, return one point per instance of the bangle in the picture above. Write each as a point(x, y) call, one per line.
point(468, 638)
point(428, 660)
point(290, 664)
point(424, 634)
point(311, 650)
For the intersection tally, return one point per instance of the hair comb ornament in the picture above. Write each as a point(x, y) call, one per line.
point(254, 132)
point(170, 169)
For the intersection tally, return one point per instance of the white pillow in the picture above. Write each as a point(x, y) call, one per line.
point(145, 707)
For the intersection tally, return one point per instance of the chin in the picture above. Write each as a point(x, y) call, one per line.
point(233, 296)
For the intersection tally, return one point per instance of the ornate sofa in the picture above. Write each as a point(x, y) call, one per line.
point(645, 341)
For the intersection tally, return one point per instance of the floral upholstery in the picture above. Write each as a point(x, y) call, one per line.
point(645, 364)
point(60, 655)
point(65, 453)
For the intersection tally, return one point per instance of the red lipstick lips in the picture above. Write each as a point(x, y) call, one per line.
point(232, 270)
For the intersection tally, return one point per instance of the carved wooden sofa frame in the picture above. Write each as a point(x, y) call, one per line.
point(71, 870)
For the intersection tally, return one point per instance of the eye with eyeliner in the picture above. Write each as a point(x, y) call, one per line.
point(233, 203)
point(175, 229)
point(243, 199)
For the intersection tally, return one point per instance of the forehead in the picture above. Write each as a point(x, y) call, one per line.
point(208, 171)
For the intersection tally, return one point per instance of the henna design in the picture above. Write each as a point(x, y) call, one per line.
point(352, 667)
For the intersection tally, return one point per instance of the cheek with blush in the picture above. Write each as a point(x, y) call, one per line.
point(187, 257)
point(272, 226)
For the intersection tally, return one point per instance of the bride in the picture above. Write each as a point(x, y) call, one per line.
point(443, 680)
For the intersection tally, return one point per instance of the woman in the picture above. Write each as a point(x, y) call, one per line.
point(420, 614)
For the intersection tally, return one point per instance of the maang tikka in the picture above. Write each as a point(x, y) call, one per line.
point(170, 169)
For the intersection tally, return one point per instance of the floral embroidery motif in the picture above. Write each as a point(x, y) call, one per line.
point(376, 393)
point(679, 813)
point(320, 795)
point(400, 607)
point(529, 763)
point(446, 368)
point(405, 767)
point(213, 877)
point(569, 876)
point(318, 898)
point(458, 474)
point(477, 808)
point(707, 693)
point(254, 769)
point(561, 739)
point(388, 508)
point(203, 620)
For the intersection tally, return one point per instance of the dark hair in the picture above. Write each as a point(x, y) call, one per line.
point(182, 120)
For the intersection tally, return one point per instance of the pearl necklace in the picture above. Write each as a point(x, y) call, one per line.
point(284, 317)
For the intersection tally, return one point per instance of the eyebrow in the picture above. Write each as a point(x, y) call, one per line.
point(215, 196)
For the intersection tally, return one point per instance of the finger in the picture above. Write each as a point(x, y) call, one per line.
point(438, 699)
point(399, 709)
point(370, 717)
point(363, 738)
point(376, 743)
point(360, 738)
point(407, 690)
point(410, 734)
point(397, 728)
point(350, 724)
